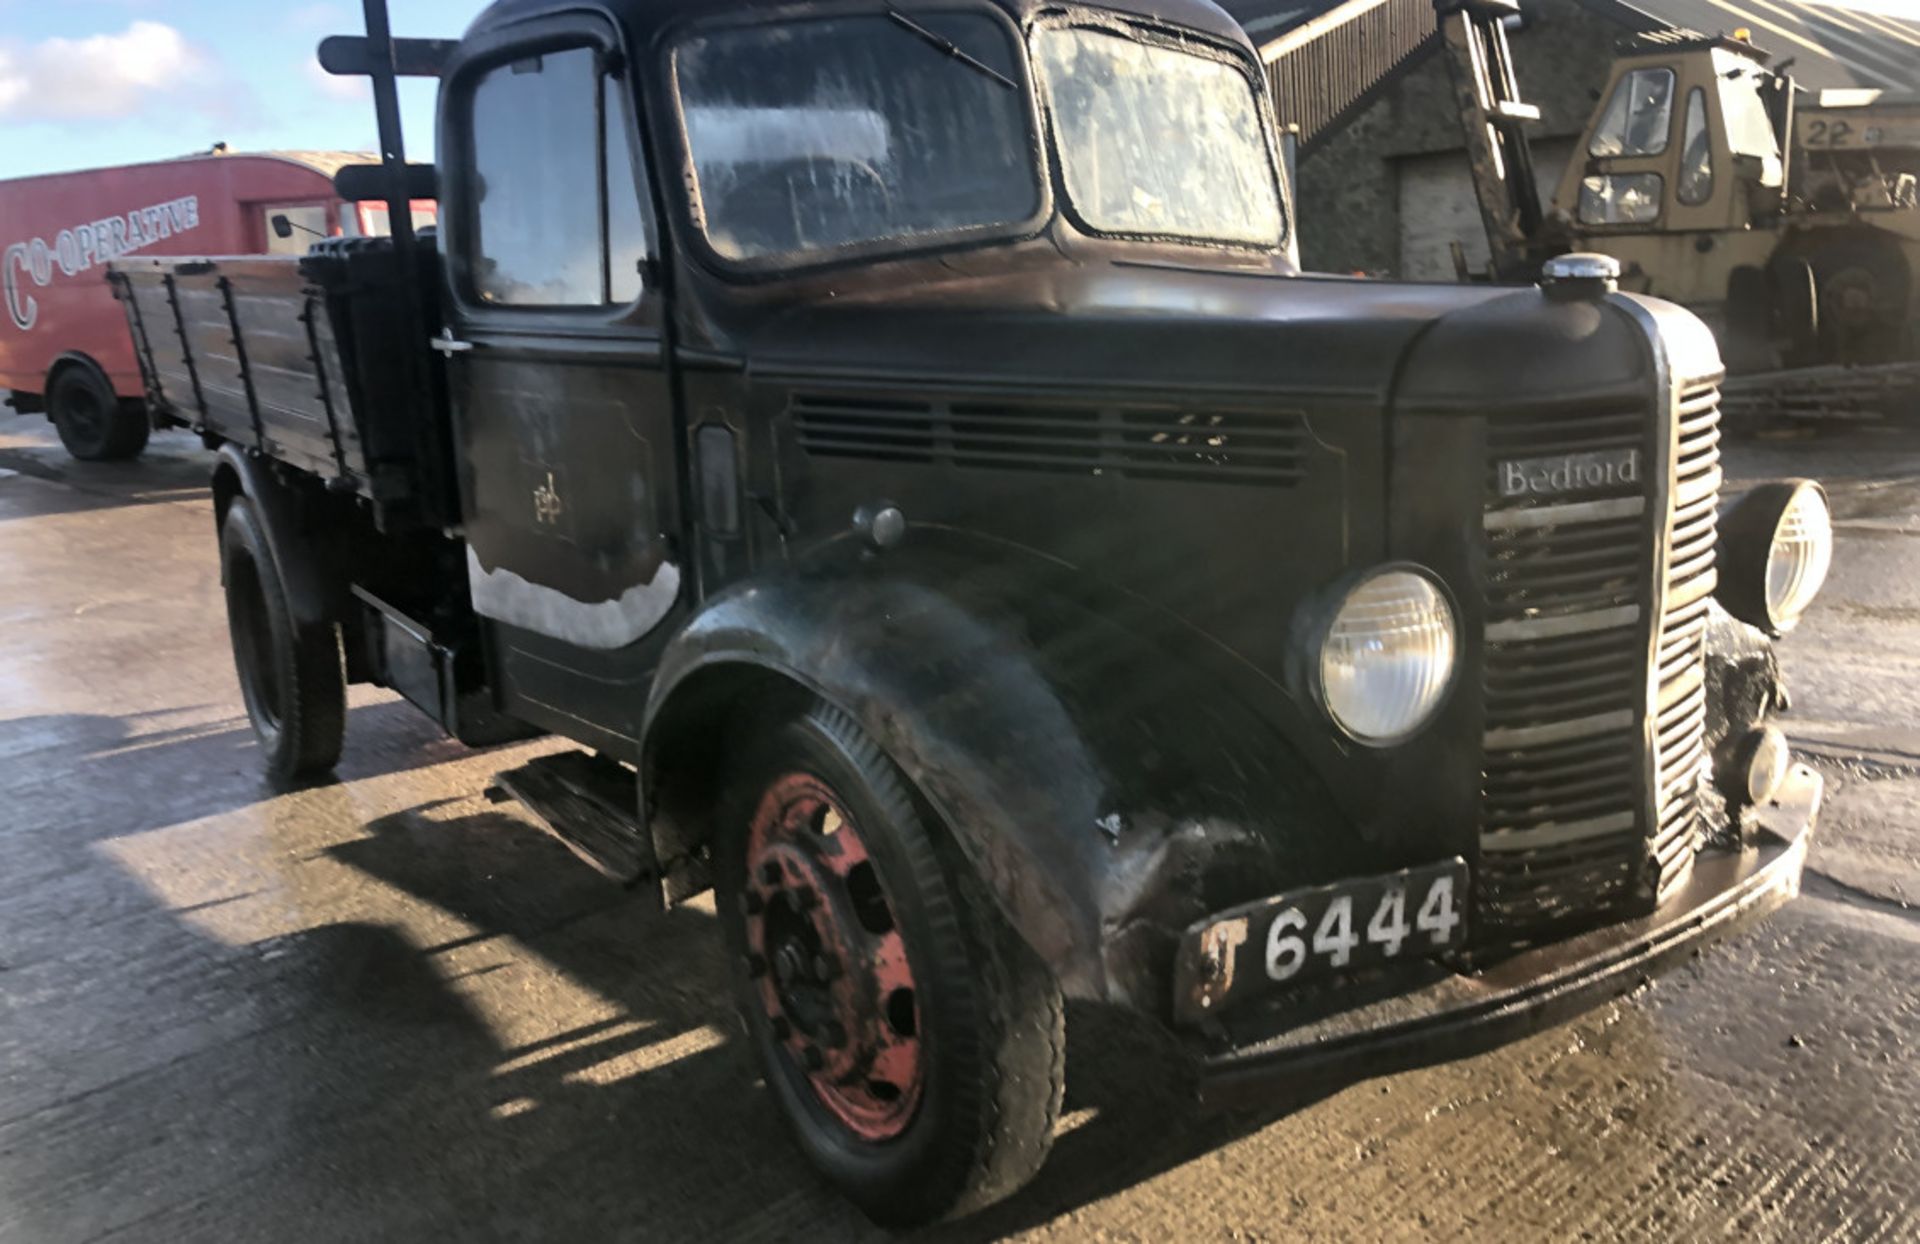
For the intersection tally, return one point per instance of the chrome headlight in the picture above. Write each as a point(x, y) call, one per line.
point(1388, 656)
point(1776, 546)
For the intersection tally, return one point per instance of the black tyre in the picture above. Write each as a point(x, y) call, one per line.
point(1862, 286)
point(291, 675)
point(914, 1043)
point(94, 425)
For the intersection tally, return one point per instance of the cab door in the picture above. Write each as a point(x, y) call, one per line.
point(556, 360)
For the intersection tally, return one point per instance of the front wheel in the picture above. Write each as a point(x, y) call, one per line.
point(914, 1043)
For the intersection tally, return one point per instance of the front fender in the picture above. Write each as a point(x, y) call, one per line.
point(1108, 784)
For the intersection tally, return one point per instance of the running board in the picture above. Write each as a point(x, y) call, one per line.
point(591, 804)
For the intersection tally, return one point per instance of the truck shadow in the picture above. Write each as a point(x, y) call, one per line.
point(554, 1059)
point(698, 1117)
point(566, 1067)
point(90, 776)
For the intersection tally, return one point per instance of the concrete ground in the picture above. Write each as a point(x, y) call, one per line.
point(386, 1009)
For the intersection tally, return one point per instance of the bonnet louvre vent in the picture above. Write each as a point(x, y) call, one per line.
point(1245, 447)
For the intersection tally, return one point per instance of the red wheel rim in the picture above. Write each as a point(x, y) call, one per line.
point(829, 965)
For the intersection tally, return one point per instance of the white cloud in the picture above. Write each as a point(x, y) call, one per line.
point(323, 18)
point(349, 89)
point(112, 76)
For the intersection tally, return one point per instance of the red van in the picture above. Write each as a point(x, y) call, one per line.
point(64, 347)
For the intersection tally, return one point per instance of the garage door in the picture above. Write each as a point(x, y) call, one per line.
point(1437, 208)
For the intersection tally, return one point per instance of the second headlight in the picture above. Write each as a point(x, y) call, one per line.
point(1388, 656)
point(1776, 546)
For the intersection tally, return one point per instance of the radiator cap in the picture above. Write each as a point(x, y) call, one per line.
point(1580, 275)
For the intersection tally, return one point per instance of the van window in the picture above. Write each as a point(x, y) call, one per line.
point(550, 150)
point(1696, 153)
point(1637, 117)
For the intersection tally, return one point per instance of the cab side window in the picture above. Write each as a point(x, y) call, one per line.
point(1696, 153)
point(1637, 117)
point(558, 218)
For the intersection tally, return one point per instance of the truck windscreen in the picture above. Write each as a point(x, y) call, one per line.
point(1156, 140)
point(817, 134)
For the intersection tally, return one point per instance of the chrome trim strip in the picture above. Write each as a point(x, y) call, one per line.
point(1682, 685)
point(1510, 737)
point(1689, 491)
point(1555, 835)
point(1555, 515)
point(1562, 624)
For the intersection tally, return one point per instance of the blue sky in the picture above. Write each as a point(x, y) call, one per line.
point(88, 83)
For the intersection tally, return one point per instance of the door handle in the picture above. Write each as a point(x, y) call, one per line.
point(448, 345)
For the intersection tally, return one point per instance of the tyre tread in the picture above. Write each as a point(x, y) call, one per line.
point(313, 715)
point(1006, 1074)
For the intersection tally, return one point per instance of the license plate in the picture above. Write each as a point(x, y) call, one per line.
point(1323, 930)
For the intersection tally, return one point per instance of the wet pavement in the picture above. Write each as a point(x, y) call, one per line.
point(387, 1009)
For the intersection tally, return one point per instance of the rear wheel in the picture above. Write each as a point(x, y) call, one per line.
point(94, 425)
point(291, 676)
point(1861, 282)
point(914, 1043)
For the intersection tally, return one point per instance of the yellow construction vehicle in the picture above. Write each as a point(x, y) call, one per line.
point(1786, 219)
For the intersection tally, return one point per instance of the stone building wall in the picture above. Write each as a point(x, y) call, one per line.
point(1348, 189)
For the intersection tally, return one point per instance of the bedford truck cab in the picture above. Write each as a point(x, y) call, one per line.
point(897, 443)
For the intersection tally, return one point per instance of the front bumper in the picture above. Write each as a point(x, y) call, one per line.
point(1459, 1014)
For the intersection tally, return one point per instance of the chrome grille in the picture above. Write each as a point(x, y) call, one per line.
point(1680, 664)
point(1568, 826)
point(1566, 596)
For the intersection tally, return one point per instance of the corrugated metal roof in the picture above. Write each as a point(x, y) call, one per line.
point(1328, 67)
point(1268, 19)
point(1832, 44)
point(1326, 59)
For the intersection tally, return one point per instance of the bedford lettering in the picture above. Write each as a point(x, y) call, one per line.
point(1550, 477)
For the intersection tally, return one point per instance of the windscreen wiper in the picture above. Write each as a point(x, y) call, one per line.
point(944, 44)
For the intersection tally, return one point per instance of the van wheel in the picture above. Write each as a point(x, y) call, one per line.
point(94, 425)
point(915, 1044)
point(291, 675)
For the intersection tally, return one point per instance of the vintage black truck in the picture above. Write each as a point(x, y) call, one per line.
point(895, 441)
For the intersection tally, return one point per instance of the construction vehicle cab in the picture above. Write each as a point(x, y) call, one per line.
point(1684, 139)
